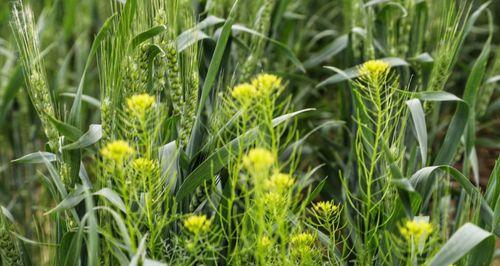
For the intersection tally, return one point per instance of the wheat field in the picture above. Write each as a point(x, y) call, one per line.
point(238, 132)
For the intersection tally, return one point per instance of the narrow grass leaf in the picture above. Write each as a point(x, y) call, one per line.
point(289, 53)
point(418, 115)
point(462, 242)
point(423, 175)
point(212, 74)
point(148, 34)
point(337, 46)
point(93, 135)
point(113, 197)
point(85, 98)
point(36, 157)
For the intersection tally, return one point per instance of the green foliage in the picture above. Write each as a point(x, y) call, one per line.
point(231, 132)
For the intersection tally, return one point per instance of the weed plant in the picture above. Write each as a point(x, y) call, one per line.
point(231, 132)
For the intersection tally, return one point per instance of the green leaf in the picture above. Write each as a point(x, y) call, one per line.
point(195, 34)
point(168, 155)
point(85, 98)
point(418, 115)
point(36, 157)
point(188, 38)
point(455, 130)
point(493, 188)
point(280, 45)
point(113, 197)
point(337, 46)
point(422, 176)
point(148, 34)
point(68, 252)
point(69, 202)
point(212, 74)
point(90, 137)
point(93, 237)
point(474, 82)
point(67, 130)
point(469, 237)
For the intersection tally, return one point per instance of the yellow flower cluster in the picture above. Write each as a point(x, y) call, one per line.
point(416, 229)
point(374, 69)
point(325, 208)
point(139, 104)
point(258, 160)
point(280, 182)
point(274, 200)
point(197, 224)
point(266, 84)
point(118, 151)
point(144, 166)
point(262, 85)
point(244, 93)
point(302, 244)
point(303, 239)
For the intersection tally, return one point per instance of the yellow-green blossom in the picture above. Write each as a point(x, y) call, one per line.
point(303, 239)
point(374, 69)
point(302, 245)
point(244, 93)
point(197, 224)
point(416, 229)
point(139, 104)
point(274, 200)
point(325, 208)
point(118, 151)
point(258, 160)
point(266, 84)
point(280, 182)
point(144, 166)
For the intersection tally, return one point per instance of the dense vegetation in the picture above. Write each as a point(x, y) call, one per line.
point(264, 132)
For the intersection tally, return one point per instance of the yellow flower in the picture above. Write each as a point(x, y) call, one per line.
point(197, 224)
point(117, 151)
point(139, 104)
point(302, 245)
point(325, 208)
point(417, 229)
point(280, 182)
point(374, 69)
point(144, 166)
point(244, 93)
point(303, 239)
point(258, 160)
point(266, 84)
point(273, 200)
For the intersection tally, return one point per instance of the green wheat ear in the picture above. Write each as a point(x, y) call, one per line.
point(9, 249)
point(23, 27)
